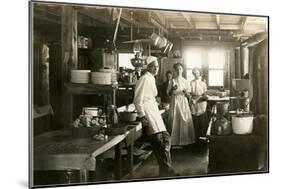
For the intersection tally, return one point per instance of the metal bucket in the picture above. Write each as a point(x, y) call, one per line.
point(242, 124)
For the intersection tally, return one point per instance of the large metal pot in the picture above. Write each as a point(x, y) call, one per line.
point(242, 124)
point(221, 127)
point(128, 116)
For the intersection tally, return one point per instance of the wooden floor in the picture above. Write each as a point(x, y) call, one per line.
point(188, 161)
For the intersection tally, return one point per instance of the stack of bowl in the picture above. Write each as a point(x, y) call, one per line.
point(113, 73)
point(80, 76)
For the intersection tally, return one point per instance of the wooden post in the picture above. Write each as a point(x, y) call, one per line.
point(232, 63)
point(44, 73)
point(69, 54)
point(242, 61)
point(130, 140)
point(237, 63)
point(118, 162)
point(69, 41)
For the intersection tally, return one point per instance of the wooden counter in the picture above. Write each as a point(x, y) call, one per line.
point(58, 150)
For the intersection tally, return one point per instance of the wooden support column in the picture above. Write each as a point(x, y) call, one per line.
point(130, 140)
point(69, 56)
point(242, 62)
point(69, 41)
point(244, 55)
point(232, 58)
point(229, 60)
point(252, 75)
point(237, 63)
point(45, 75)
point(118, 162)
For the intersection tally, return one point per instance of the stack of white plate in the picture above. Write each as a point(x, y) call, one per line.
point(101, 78)
point(113, 74)
point(80, 76)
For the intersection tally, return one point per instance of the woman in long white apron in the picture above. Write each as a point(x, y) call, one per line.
point(180, 119)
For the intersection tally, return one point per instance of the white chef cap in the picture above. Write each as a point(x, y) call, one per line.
point(151, 59)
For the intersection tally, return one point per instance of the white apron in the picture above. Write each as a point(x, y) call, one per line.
point(153, 115)
point(180, 118)
point(146, 105)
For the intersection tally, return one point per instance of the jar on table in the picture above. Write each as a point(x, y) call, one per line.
point(112, 114)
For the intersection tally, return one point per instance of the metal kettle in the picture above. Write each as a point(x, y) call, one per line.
point(221, 126)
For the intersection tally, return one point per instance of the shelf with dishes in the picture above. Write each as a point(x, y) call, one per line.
point(101, 77)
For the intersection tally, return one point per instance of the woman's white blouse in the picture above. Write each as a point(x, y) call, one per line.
point(198, 88)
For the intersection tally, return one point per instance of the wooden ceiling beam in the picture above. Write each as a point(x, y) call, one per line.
point(208, 37)
point(102, 19)
point(188, 20)
point(230, 27)
point(158, 25)
point(160, 18)
point(218, 21)
point(91, 13)
point(243, 22)
point(127, 17)
point(41, 14)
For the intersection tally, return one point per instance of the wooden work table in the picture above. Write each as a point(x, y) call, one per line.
point(58, 150)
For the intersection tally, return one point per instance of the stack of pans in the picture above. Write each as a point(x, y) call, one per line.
point(80, 76)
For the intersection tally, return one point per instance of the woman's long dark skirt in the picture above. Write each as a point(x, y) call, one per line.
point(200, 125)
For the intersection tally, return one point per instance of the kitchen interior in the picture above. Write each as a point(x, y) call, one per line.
point(86, 62)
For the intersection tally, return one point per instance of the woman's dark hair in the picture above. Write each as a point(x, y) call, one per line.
point(168, 72)
point(177, 65)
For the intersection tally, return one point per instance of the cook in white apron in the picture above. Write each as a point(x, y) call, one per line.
point(149, 114)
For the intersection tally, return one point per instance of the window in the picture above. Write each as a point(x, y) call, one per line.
point(216, 61)
point(193, 59)
point(210, 61)
point(124, 60)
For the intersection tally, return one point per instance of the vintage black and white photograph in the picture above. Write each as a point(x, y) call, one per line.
point(124, 94)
